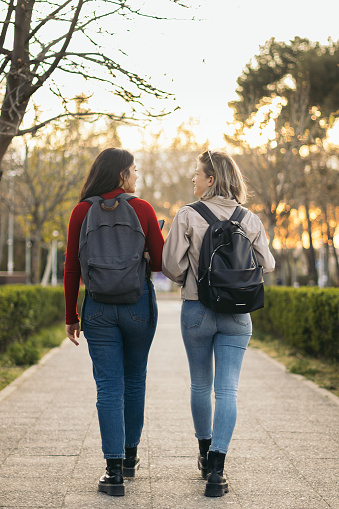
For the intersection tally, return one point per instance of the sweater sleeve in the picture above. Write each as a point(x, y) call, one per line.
point(153, 235)
point(256, 233)
point(72, 270)
point(262, 251)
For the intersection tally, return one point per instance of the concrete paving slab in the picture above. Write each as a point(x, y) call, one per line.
point(284, 453)
point(292, 501)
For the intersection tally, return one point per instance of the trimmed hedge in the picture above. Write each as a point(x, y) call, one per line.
point(26, 309)
point(305, 318)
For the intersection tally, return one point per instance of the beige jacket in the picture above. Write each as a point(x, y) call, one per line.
point(182, 246)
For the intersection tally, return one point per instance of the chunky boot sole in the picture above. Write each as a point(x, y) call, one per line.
point(131, 471)
point(216, 489)
point(114, 490)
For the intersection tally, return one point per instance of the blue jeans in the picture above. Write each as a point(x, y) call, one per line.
point(119, 337)
point(204, 333)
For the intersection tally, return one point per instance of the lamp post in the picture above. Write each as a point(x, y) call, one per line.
point(10, 240)
point(55, 258)
point(28, 261)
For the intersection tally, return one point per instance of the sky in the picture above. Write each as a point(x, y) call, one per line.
point(204, 58)
point(199, 61)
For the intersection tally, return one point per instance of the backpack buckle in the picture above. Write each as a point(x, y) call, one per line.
point(237, 224)
point(218, 232)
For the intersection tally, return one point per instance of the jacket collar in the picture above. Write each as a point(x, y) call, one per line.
point(221, 200)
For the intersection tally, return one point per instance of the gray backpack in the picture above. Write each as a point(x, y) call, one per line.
point(111, 251)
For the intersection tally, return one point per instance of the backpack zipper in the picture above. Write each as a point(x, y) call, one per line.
point(211, 261)
point(227, 244)
point(212, 255)
point(216, 249)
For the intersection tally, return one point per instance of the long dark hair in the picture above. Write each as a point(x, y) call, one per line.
point(105, 173)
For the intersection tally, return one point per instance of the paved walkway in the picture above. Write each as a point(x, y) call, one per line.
point(284, 453)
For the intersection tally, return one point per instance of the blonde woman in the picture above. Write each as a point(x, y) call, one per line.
point(206, 334)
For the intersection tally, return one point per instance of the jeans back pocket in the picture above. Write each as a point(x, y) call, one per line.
point(192, 313)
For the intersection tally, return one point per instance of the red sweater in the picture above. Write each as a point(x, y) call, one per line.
point(154, 241)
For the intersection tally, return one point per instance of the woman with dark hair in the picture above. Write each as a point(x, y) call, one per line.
point(219, 183)
point(119, 336)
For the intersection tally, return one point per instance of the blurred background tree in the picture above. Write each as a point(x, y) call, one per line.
point(287, 95)
point(47, 176)
point(166, 174)
point(280, 136)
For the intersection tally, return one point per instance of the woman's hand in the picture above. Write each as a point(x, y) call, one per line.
point(73, 331)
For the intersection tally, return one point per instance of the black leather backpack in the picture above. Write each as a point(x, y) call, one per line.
point(229, 277)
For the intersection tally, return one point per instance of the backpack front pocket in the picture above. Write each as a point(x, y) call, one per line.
point(114, 276)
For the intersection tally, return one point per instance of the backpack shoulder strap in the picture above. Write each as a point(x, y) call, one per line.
point(204, 211)
point(125, 196)
point(96, 199)
point(238, 214)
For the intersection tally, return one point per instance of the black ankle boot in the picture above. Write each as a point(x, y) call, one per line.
point(112, 482)
point(204, 446)
point(131, 462)
point(216, 485)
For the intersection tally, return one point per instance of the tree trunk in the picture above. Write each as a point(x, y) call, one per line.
point(271, 233)
point(271, 228)
point(3, 234)
point(336, 261)
point(5, 142)
point(310, 252)
point(330, 241)
point(19, 78)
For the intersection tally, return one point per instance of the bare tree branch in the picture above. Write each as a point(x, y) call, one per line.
point(35, 128)
point(6, 24)
point(44, 21)
point(47, 74)
point(4, 64)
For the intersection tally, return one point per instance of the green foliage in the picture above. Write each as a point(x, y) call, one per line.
point(30, 341)
point(25, 309)
point(304, 318)
point(19, 355)
point(29, 352)
point(303, 60)
point(23, 354)
point(302, 367)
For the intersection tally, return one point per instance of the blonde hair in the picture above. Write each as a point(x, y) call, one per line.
point(228, 180)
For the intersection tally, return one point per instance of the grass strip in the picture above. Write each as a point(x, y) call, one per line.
point(323, 372)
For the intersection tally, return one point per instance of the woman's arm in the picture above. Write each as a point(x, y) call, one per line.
point(153, 236)
point(262, 251)
point(154, 241)
point(174, 257)
point(73, 332)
